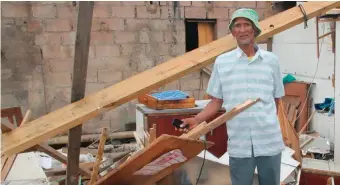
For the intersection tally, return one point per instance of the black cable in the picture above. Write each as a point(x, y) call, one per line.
point(199, 175)
point(304, 15)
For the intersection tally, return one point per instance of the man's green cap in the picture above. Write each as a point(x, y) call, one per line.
point(249, 14)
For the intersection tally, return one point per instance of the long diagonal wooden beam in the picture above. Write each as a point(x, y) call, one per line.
point(65, 118)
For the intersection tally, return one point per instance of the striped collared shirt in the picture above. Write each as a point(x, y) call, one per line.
point(235, 79)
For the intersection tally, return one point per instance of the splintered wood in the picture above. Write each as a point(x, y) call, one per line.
point(289, 134)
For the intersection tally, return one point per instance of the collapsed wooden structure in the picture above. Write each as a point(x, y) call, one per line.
point(72, 115)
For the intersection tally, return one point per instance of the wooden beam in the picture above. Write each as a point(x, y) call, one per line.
point(95, 104)
point(81, 55)
point(99, 157)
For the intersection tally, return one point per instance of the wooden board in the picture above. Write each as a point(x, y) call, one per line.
point(74, 114)
point(289, 134)
point(163, 144)
point(153, 103)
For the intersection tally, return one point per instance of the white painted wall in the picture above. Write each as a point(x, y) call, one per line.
point(337, 97)
point(296, 49)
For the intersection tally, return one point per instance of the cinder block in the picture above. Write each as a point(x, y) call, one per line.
point(144, 37)
point(168, 12)
point(58, 79)
point(178, 49)
point(14, 9)
point(68, 38)
point(143, 12)
point(113, 63)
point(159, 25)
point(125, 37)
point(57, 25)
point(246, 4)
point(144, 63)
point(57, 97)
point(44, 11)
point(185, 3)
point(7, 21)
point(195, 12)
point(158, 49)
point(222, 28)
point(172, 85)
point(218, 13)
point(198, 3)
point(262, 4)
point(133, 3)
point(48, 39)
point(190, 84)
point(136, 24)
point(156, 36)
point(34, 26)
point(91, 76)
point(93, 87)
point(66, 10)
point(109, 76)
point(107, 50)
point(128, 49)
point(107, 24)
point(58, 65)
point(108, 2)
point(228, 4)
point(101, 11)
point(101, 38)
point(124, 12)
point(53, 51)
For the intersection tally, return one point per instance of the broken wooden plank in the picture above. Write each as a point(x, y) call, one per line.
point(74, 114)
point(163, 144)
point(99, 157)
point(307, 123)
point(91, 137)
point(321, 172)
point(204, 128)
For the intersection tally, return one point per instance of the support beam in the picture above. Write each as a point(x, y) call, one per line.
point(81, 55)
point(95, 104)
point(337, 97)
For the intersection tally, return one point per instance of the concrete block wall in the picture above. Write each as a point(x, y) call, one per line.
point(127, 38)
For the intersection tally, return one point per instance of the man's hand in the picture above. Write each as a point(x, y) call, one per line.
point(192, 122)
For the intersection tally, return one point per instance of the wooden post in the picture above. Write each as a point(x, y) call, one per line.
point(78, 85)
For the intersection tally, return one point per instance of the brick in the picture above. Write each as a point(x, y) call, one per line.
point(53, 51)
point(262, 4)
point(128, 49)
point(124, 12)
point(218, 13)
point(143, 12)
point(144, 63)
point(107, 50)
point(195, 12)
point(198, 3)
point(44, 11)
point(137, 24)
point(246, 4)
point(228, 4)
point(58, 65)
point(222, 28)
point(7, 21)
point(101, 38)
point(158, 49)
point(107, 76)
point(189, 84)
point(144, 37)
point(168, 11)
point(172, 85)
point(101, 11)
point(48, 39)
point(57, 25)
point(34, 26)
point(159, 25)
point(11, 9)
point(93, 87)
point(166, 3)
point(107, 24)
point(125, 37)
point(68, 38)
point(132, 3)
point(58, 79)
point(108, 2)
point(66, 10)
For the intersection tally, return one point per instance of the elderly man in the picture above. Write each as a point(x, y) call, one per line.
point(247, 72)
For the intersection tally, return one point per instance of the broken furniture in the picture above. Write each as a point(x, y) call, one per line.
point(146, 117)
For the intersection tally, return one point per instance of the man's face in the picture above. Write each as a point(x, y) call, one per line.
point(243, 31)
